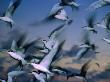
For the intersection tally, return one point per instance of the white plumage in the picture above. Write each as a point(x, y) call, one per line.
point(7, 16)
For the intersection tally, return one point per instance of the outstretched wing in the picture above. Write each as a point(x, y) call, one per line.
point(56, 31)
point(33, 47)
point(12, 7)
point(86, 66)
point(51, 16)
point(98, 4)
point(107, 20)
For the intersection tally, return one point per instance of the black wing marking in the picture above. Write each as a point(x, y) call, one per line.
point(12, 7)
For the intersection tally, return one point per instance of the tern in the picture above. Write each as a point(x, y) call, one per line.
point(83, 71)
point(106, 40)
point(24, 53)
point(28, 49)
point(7, 16)
point(99, 4)
point(86, 46)
point(55, 9)
point(90, 23)
point(57, 12)
point(46, 61)
point(44, 66)
point(55, 33)
point(105, 22)
point(18, 56)
point(53, 36)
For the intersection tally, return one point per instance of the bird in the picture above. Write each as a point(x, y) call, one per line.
point(105, 22)
point(24, 52)
point(70, 3)
point(44, 65)
point(29, 49)
point(18, 56)
point(99, 4)
point(83, 71)
point(85, 39)
point(56, 13)
point(53, 36)
point(46, 61)
point(57, 31)
point(86, 46)
point(7, 15)
point(55, 9)
point(81, 53)
point(90, 23)
point(59, 12)
point(106, 40)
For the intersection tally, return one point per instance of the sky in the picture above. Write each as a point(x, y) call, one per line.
point(35, 10)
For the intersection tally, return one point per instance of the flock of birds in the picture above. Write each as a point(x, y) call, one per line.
point(25, 54)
